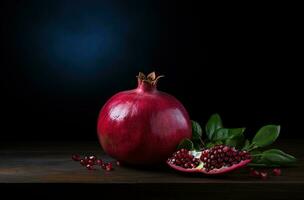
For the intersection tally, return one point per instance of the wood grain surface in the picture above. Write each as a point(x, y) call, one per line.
point(43, 168)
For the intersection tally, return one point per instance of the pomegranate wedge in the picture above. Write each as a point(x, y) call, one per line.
point(219, 159)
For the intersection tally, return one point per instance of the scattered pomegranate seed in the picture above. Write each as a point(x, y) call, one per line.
point(103, 166)
point(76, 157)
point(83, 162)
point(90, 162)
point(109, 166)
point(263, 175)
point(89, 167)
point(255, 173)
point(99, 162)
point(277, 171)
point(92, 158)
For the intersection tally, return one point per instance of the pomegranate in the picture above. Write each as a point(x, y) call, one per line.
point(216, 160)
point(143, 125)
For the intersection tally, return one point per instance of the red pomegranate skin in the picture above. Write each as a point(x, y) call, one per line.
point(143, 125)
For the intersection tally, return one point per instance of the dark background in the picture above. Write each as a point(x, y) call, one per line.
point(61, 61)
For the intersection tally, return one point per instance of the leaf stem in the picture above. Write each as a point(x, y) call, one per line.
point(202, 142)
point(251, 147)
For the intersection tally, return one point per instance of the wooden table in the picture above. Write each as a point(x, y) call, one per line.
point(40, 168)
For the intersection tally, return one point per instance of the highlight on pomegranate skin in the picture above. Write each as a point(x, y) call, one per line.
point(216, 160)
point(143, 125)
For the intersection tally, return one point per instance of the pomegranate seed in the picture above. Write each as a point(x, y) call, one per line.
point(89, 167)
point(109, 167)
point(226, 149)
point(103, 166)
point(76, 157)
point(92, 158)
point(90, 162)
point(254, 173)
point(99, 162)
point(263, 175)
point(118, 163)
point(205, 153)
point(83, 162)
point(277, 171)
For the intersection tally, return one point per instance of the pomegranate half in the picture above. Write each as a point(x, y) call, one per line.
point(219, 159)
point(143, 125)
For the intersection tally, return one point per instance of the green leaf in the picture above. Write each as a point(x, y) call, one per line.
point(246, 145)
point(271, 158)
point(197, 144)
point(266, 135)
point(255, 152)
point(185, 144)
point(209, 145)
point(236, 142)
point(213, 124)
point(196, 130)
point(277, 157)
point(256, 156)
point(227, 133)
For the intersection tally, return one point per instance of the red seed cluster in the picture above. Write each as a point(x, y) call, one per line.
point(263, 173)
point(222, 156)
point(89, 162)
point(184, 159)
point(258, 174)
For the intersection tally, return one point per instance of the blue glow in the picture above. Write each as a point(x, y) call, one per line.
point(80, 37)
point(76, 42)
point(81, 48)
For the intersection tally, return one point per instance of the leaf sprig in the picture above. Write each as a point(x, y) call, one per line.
point(216, 134)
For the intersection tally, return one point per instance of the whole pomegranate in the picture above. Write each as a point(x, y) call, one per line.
point(143, 125)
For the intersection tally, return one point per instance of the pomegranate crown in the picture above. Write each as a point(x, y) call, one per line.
point(150, 78)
